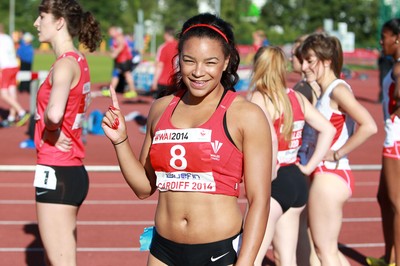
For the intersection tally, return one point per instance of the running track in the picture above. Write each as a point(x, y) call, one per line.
point(112, 218)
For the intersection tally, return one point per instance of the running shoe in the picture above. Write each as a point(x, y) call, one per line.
point(6, 123)
point(132, 116)
point(130, 94)
point(106, 92)
point(27, 144)
point(143, 129)
point(23, 119)
point(371, 261)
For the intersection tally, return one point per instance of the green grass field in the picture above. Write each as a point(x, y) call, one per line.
point(100, 65)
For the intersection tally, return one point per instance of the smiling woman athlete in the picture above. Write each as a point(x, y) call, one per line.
point(202, 141)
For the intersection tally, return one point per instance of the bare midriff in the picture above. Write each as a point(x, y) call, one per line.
point(196, 218)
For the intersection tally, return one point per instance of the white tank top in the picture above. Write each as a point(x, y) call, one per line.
point(8, 58)
point(343, 123)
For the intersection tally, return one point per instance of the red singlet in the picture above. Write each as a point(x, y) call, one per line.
point(201, 159)
point(77, 104)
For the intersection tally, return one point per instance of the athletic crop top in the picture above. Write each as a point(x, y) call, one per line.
point(287, 150)
point(390, 104)
point(77, 104)
point(201, 159)
point(343, 123)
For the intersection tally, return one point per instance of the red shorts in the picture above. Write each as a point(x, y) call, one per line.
point(345, 174)
point(9, 77)
point(392, 152)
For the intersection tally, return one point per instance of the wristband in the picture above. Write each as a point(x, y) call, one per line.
point(115, 144)
point(335, 156)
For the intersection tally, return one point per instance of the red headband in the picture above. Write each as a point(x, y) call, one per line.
point(208, 26)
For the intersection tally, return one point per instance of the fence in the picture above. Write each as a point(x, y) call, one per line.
point(36, 78)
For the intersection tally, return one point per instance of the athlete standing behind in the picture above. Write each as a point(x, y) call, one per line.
point(388, 192)
point(61, 180)
point(199, 144)
point(123, 65)
point(289, 111)
point(165, 63)
point(8, 81)
point(332, 181)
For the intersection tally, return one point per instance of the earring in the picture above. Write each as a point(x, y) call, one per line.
point(397, 41)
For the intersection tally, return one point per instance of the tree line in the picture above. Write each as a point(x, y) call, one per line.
point(282, 20)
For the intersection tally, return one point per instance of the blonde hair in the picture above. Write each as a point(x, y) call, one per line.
point(269, 78)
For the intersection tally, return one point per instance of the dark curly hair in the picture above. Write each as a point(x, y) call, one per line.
point(220, 31)
point(79, 23)
point(393, 25)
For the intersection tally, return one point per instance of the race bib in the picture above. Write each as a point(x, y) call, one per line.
point(45, 177)
point(183, 181)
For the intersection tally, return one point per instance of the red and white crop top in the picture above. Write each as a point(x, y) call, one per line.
point(201, 159)
point(287, 150)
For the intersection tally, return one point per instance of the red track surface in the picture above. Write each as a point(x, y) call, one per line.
point(112, 218)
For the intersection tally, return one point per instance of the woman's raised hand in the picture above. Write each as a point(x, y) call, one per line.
point(114, 122)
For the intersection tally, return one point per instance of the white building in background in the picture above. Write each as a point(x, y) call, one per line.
point(347, 38)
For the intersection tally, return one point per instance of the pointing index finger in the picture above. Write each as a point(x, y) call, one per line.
point(114, 98)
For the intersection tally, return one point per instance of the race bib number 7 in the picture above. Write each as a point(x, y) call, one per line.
point(45, 177)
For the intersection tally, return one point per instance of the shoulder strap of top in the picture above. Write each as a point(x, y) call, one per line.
point(171, 106)
point(296, 105)
point(73, 54)
point(225, 103)
point(334, 84)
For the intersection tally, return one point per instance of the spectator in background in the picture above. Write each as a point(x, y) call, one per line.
point(136, 56)
point(123, 65)
point(25, 52)
point(165, 63)
point(259, 40)
point(8, 85)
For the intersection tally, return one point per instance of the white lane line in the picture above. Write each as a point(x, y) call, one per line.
point(362, 245)
point(362, 220)
point(134, 249)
